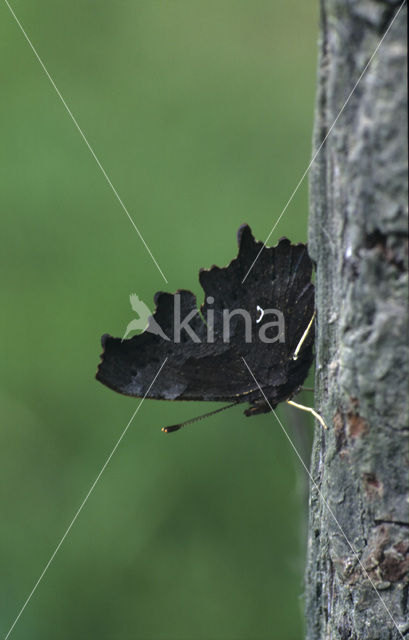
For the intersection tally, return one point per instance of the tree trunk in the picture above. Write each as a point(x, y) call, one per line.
point(358, 239)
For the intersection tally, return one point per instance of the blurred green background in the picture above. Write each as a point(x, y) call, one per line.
point(201, 113)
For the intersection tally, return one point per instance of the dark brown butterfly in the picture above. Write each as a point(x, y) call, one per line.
point(258, 322)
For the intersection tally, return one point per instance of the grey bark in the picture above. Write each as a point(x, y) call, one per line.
point(358, 239)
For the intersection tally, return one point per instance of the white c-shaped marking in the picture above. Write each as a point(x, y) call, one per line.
point(262, 314)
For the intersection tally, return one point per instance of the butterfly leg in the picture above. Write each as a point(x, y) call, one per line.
point(309, 410)
point(304, 335)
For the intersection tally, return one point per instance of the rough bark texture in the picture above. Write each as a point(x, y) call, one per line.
point(358, 239)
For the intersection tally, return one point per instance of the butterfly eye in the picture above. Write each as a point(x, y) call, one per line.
point(261, 314)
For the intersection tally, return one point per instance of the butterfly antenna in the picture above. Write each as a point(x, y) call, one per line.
point(176, 427)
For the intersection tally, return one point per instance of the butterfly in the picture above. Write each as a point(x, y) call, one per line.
point(251, 341)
